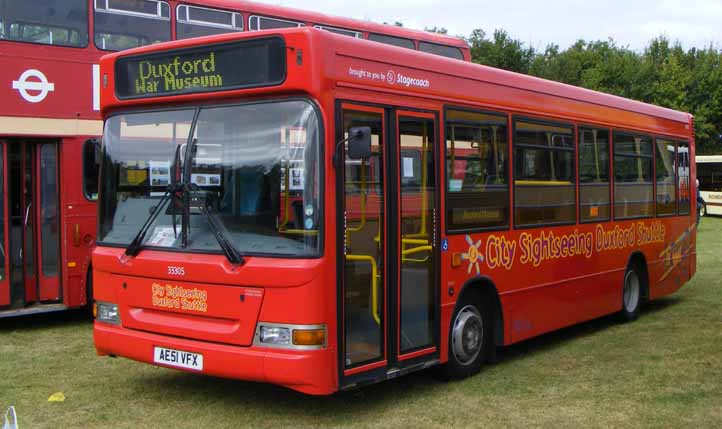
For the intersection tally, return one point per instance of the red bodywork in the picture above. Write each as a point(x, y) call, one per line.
point(536, 296)
point(69, 115)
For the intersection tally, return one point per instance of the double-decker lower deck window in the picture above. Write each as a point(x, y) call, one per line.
point(125, 24)
point(633, 183)
point(253, 168)
point(544, 175)
point(666, 181)
point(91, 155)
point(594, 184)
point(477, 189)
point(683, 174)
point(48, 22)
point(193, 21)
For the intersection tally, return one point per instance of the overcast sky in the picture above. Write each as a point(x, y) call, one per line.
point(540, 22)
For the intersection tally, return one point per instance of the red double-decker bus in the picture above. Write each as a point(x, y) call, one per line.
point(311, 210)
point(50, 120)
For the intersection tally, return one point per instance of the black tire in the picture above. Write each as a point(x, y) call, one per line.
point(632, 293)
point(703, 210)
point(89, 293)
point(470, 336)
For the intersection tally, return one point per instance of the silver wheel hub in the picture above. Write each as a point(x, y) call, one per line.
point(467, 336)
point(631, 291)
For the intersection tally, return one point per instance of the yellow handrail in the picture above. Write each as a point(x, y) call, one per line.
point(413, 250)
point(374, 283)
point(361, 226)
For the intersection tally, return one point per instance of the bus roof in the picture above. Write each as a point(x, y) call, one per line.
point(331, 20)
point(442, 78)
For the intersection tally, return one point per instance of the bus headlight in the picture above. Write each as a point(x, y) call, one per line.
point(300, 337)
point(275, 335)
point(108, 313)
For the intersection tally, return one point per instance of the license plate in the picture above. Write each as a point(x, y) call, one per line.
point(178, 358)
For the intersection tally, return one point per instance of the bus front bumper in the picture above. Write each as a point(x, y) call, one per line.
point(307, 371)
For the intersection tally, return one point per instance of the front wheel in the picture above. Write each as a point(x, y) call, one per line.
point(631, 295)
point(469, 338)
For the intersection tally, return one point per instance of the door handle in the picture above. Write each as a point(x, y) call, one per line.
point(27, 215)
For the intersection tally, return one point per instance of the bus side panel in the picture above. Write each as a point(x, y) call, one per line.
point(79, 223)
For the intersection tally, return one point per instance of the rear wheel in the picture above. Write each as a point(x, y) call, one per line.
point(631, 294)
point(469, 338)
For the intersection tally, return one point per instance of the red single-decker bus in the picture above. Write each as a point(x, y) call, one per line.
point(322, 212)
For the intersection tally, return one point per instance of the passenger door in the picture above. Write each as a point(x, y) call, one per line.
point(32, 227)
point(4, 260)
point(388, 290)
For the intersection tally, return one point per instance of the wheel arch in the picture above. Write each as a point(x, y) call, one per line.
point(483, 288)
point(637, 259)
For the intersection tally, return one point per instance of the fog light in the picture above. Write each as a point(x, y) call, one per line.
point(108, 313)
point(275, 335)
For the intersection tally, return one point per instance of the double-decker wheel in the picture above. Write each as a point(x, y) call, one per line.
point(469, 337)
point(631, 294)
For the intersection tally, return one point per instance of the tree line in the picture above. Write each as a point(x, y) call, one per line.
point(664, 73)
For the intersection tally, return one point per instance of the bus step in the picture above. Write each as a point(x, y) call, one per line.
point(35, 309)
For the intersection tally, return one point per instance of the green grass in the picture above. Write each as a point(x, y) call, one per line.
point(665, 370)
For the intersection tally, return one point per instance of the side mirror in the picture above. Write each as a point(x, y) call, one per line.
point(359, 143)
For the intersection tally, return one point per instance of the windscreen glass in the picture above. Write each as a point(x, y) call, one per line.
point(255, 168)
point(49, 22)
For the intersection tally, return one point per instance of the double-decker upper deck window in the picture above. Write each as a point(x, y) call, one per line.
point(544, 174)
point(633, 185)
point(477, 187)
point(666, 181)
point(392, 40)
point(48, 22)
point(340, 31)
point(442, 50)
point(125, 24)
point(594, 192)
point(193, 21)
point(683, 174)
point(258, 23)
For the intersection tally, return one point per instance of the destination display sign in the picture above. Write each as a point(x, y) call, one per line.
point(247, 64)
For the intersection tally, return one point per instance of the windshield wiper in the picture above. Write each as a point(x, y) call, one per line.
point(137, 244)
point(232, 254)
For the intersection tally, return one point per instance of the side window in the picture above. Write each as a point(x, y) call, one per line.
point(683, 174)
point(544, 174)
point(340, 31)
point(594, 183)
point(666, 181)
point(442, 50)
point(48, 22)
point(91, 164)
point(391, 40)
point(257, 23)
point(477, 187)
point(633, 186)
point(125, 24)
point(193, 21)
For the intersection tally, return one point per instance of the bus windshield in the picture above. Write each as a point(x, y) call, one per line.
point(253, 167)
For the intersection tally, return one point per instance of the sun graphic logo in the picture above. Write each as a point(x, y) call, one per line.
point(473, 255)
